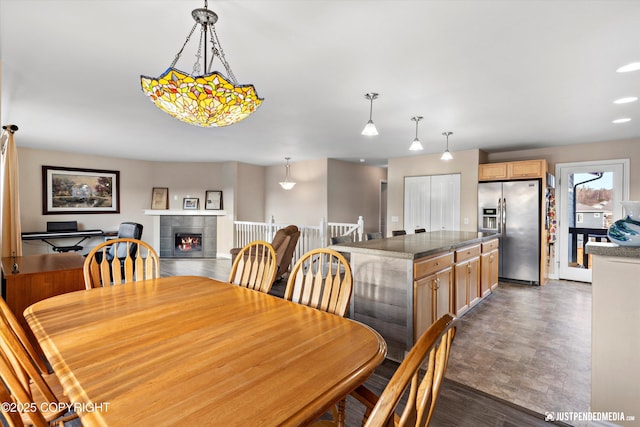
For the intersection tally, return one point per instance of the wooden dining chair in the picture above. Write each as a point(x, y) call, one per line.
point(24, 385)
point(11, 322)
point(431, 351)
point(321, 279)
point(136, 260)
point(255, 267)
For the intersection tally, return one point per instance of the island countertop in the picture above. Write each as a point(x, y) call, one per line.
point(414, 246)
point(612, 249)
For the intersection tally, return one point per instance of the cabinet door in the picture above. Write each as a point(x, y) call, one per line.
point(488, 272)
point(466, 285)
point(461, 293)
point(443, 286)
point(492, 171)
point(423, 301)
point(473, 281)
point(432, 299)
point(526, 169)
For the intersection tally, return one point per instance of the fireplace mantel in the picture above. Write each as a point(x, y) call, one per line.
point(186, 212)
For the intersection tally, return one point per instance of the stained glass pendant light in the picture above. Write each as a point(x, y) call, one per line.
point(447, 154)
point(287, 184)
point(208, 99)
point(416, 145)
point(370, 128)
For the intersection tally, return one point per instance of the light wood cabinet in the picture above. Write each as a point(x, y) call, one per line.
point(488, 267)
point(466, 278)
point(512, 170)
point(492, 171)
point(432, 290)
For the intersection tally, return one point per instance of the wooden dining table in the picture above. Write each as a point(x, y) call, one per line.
point(187, 350)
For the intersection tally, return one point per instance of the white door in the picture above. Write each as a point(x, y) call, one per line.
point(445, 202)
point(588, 196)
point(432, 202)
point(417, 202)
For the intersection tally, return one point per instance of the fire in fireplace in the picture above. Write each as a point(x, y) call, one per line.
point(187, 243)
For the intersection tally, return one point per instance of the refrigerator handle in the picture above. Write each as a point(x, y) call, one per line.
point(499, 215)
point(504, 215)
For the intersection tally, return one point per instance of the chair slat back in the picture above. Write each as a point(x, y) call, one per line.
point(15, 391)
point(102, 268)
point(433, 347)
point(22, 365)
point(255, 267)
point(321, 279)
point(13, 324)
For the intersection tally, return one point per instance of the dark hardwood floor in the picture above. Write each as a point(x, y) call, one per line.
point(521, 353)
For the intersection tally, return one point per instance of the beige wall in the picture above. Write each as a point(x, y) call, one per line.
point(354, 188)
point(628, 149)
point(464, 162)
point(250, 186)
point(137, 178)
point(135, 193)
point(306, 203)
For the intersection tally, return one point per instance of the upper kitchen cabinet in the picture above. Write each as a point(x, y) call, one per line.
point(512, 170)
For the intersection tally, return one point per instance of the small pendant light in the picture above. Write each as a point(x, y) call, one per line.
point(416, 145)
point(447, 154)
point(287, 184)
point(370, 128)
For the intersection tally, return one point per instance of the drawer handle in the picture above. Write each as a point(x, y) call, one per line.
point(436, 264)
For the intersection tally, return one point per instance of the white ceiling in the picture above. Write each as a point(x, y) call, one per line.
point(501, 75)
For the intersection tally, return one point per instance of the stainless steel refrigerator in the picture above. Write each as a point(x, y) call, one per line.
point(512, 208)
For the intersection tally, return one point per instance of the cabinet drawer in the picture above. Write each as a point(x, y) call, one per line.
point(467, 252)
point(426, 266)
point(489, 246)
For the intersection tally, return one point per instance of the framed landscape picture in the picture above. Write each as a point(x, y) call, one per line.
point(79, 191)
point(160, 198)
point(213, 200)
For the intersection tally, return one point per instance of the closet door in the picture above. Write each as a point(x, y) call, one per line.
point(445, 202)
point(417, 202)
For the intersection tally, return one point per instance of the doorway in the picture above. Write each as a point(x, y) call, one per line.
point(588, 202)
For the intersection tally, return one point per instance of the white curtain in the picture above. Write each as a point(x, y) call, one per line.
point(11, 241)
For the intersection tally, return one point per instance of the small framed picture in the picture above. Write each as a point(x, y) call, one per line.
point(213, 200)
point(191, 203)
point(160, 198)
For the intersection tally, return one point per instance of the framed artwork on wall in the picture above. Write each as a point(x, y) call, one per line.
point(79, 191)
point(213, 200)
point(160, 198)
point(190, 203)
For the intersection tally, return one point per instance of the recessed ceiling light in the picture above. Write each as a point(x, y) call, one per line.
point(625, 100)
point(634, 66)
point(624, 120)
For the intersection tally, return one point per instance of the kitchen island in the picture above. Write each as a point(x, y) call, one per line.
point(615, 321)
point(403, 284)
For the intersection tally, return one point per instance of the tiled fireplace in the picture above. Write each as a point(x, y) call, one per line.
point(188, 236)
